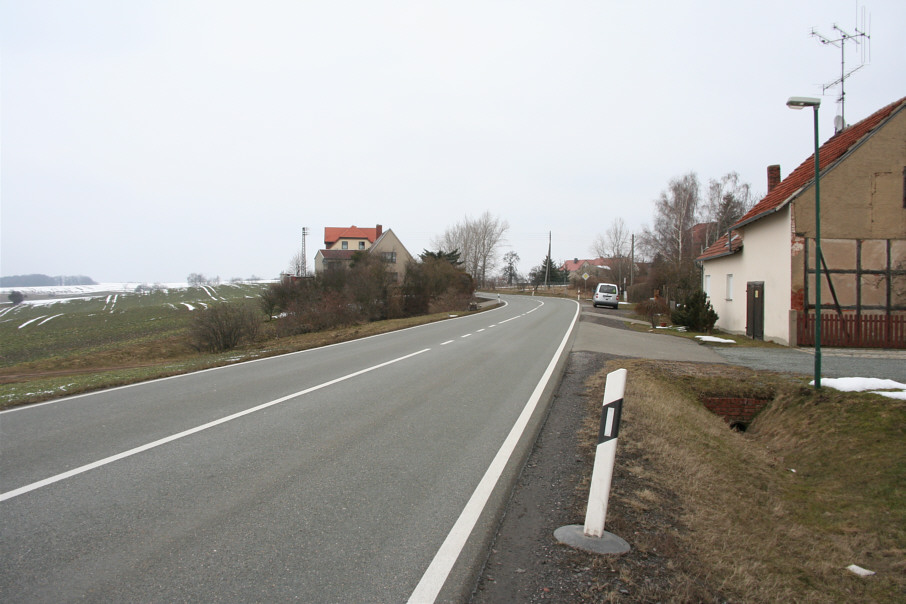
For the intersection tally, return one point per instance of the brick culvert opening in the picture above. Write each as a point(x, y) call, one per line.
point(738, 412)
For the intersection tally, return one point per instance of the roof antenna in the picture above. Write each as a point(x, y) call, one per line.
point(839, 39)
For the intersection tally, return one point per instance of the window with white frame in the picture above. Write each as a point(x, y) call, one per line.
point(729, 286)
point(708, 285)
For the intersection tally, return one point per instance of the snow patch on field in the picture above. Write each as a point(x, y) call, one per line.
point(30, 321)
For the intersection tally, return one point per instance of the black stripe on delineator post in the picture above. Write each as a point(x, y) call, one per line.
point(610, 421)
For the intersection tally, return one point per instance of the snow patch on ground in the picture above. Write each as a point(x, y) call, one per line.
point(888, 388)
point(714, 339)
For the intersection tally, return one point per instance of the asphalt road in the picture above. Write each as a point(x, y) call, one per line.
point(371, 471)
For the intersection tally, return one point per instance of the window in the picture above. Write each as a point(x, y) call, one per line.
point(344, 245)
point(729, 287)
point(708, 285)
point(389, 257)
point(361, 245)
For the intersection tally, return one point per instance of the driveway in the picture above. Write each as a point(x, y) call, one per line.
point(603, 330)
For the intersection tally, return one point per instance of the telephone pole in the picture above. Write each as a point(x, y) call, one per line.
point(547, 272)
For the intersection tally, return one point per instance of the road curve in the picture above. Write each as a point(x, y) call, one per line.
point(362, 472)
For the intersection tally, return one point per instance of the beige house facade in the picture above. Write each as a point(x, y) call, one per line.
point(763, 282)
point(341, 244)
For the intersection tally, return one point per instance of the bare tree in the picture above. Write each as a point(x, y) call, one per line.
point(728, 201)
point(297, 264)
point(669, 242)
point(614, 244)
point(477, 241)
point(510, 273)
point(675, 212)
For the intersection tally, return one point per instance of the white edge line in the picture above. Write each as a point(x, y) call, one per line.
point(218, 368)
point(107, 460)
point(436, 575)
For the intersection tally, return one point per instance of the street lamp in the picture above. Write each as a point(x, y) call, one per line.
point(799, 102)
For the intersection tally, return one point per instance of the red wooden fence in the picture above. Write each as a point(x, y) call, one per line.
point(853, 331)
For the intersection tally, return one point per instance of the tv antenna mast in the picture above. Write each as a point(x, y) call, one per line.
point(839, 39)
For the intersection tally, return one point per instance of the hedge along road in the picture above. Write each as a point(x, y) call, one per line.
point(373, 470)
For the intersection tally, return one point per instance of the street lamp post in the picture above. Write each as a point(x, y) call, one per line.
point(798, 102)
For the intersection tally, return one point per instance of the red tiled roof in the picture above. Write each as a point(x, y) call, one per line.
point(831, 151)
point(720, 248)
point(574, 265)
point(334, 234)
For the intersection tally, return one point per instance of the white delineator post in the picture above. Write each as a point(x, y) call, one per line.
point(592, 537)
point(605, 454)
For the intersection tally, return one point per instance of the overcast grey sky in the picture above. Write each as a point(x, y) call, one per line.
point(143, 140)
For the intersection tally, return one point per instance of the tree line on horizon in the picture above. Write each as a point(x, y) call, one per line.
point(39, 280)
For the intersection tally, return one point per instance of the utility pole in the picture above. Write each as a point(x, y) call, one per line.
point(547, 272)
point(631, 258)
point(303, 270)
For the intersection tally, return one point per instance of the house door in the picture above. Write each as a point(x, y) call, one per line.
point(755, 310)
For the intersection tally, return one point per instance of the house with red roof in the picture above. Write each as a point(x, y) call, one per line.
point(761, 276)
point(341, 243)
point(597, 269)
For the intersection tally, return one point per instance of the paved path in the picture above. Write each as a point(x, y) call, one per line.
point(605, 331)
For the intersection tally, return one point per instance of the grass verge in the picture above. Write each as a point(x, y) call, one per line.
point(777, 513)
point(131, 360)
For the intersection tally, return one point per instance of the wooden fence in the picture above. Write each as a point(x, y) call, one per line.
point(853, 331)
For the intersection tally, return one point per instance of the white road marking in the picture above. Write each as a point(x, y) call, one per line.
point(434, 578)
point(447, 342)
point(107, 460)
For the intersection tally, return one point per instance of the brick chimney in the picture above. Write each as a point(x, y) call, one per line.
point(379, 230)
point(773, 177)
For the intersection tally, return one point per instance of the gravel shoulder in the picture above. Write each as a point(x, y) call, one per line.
point(526, 562)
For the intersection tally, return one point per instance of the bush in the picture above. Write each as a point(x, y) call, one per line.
point(16, 297)
point(222, 327)
point(640, 292)
point(696, 313)
point(652, 308)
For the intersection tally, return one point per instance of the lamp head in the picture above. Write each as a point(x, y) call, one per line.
point(798, 102)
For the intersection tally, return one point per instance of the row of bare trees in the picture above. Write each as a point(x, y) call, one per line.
point(673, 242)
point(478, 242)
point(686, 221)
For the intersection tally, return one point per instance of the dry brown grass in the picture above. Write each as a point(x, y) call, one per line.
point(723, 511)
point(134, 361)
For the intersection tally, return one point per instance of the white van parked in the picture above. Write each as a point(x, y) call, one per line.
point(606, 294)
